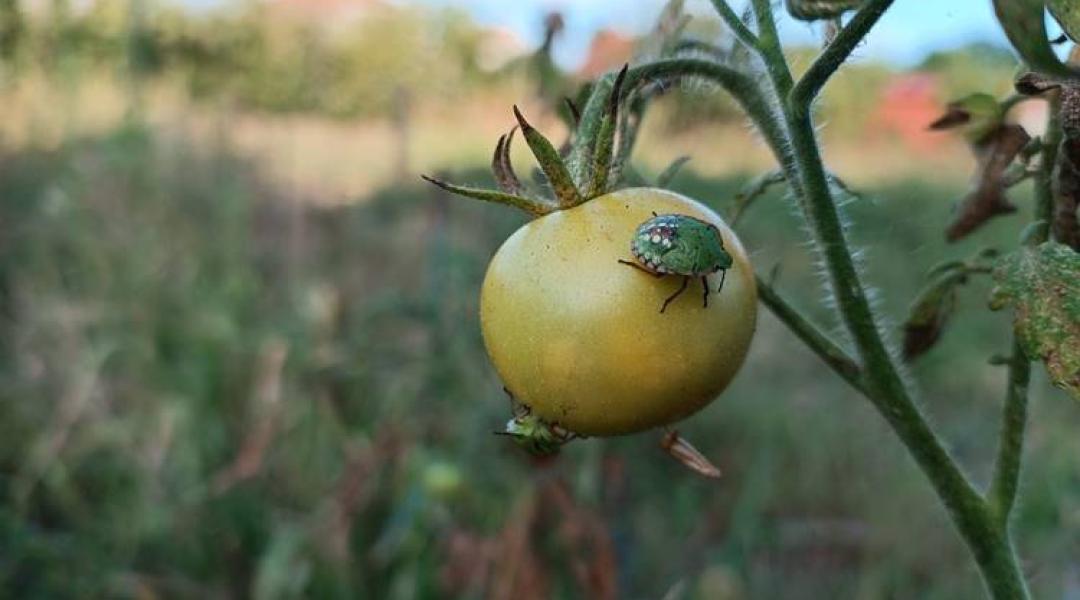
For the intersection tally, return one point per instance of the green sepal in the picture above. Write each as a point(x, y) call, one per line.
point(503, 170)
point(604, 147)
point(629, 123)
point(1042, 284)
point(550, 163)
point(671, 171)
point(529, 205)
point(573, 112)
point(1024, 23)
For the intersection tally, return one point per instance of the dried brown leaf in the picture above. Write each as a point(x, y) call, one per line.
point(987, 198)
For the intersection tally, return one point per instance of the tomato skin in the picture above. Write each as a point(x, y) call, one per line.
point(578, 337)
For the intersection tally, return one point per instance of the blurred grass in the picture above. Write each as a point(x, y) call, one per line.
point(210, 390)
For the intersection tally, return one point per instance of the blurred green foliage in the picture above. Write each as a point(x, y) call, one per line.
point(255, 56)
point(260, 56)
point(208, 390)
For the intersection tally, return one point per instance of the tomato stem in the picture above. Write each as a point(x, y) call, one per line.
point(829, 351)
point(881, 382)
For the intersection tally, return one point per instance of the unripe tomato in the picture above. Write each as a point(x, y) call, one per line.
point(578, 337)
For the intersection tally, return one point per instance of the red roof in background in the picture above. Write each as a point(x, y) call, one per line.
point(908, 104)
point(608, 50)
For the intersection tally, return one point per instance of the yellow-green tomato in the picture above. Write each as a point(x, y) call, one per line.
point(578, 337)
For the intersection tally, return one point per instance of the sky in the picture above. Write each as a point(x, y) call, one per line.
point(910, 30)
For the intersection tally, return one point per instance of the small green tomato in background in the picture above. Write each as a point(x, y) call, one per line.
point(680, 245)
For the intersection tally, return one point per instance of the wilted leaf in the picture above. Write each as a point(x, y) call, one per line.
point(813, 10)
point(1042, 284)
point(1067, 195)
point(930, 312)
point(501, 166)
point(689, 456)
point(1067, 182)
point(987, 199)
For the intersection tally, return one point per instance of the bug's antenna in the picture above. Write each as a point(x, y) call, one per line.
point(723, 275)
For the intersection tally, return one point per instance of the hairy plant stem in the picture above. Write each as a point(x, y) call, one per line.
point(1044, 179)
point(741, 86)
point(987, 539)
point(732, 20)
point(771, 50)
point(1006, 478)
point(1007, 466)
point(838, 50)
point(829, 351)
point(785, 122)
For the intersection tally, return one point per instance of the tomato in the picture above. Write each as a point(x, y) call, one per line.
point(578, 337)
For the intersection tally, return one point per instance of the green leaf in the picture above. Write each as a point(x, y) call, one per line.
point(1067, 14)
point(1042, 284)
point(1024, 22)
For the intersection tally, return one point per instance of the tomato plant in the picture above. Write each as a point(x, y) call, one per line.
point(580, 343)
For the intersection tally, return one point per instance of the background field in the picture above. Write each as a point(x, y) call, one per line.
point(239, 354)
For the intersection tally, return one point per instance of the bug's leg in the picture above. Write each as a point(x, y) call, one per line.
point(682, 288)
point(723, 274)
point(705, 292)
point(640, 268)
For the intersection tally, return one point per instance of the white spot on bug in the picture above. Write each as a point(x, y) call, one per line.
point(667, 243)
point(655, 239)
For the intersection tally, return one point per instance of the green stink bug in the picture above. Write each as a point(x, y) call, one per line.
point(674, 244)
point(535, 435)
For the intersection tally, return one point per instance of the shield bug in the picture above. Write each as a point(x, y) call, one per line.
point(535, 435)
point(673, 244)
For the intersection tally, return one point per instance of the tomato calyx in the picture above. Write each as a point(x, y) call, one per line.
point(599, 176)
